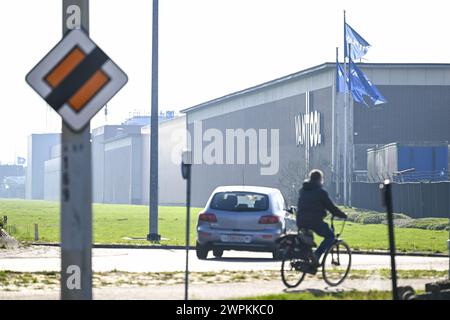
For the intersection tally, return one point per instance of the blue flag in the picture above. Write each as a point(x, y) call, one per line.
point(340, 78)
point(21, 161)
point(361, 86)
point(359, 46)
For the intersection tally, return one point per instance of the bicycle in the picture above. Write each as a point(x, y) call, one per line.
point(297, 261)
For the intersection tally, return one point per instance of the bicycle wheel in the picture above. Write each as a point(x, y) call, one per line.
point(289, 274)
point(336, 263)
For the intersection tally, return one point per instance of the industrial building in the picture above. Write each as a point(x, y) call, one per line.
point(41, 148)
point(271, 135)
point(12, 181)
point(120, 162)
point(296, 123)
point(116, 164)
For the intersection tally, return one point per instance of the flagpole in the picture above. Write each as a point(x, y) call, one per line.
point(349, 137)
point(334, 159)
point(345, 111)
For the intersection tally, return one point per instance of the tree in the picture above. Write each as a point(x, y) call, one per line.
point(291, 180)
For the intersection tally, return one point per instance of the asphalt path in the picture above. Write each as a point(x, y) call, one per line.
point(41, 258)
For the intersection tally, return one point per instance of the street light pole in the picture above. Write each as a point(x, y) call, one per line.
point(186, 172)
point(154, 136)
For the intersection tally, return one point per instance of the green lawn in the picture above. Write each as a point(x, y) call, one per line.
point(375, 236)
point(112, 223)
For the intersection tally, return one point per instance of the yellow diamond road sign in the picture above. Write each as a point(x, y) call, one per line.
point(77, 79)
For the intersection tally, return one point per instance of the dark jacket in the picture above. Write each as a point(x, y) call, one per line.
point(312, 206)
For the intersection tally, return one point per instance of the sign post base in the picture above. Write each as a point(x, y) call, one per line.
point(154, 237)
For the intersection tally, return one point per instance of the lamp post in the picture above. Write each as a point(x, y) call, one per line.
point(154, 136)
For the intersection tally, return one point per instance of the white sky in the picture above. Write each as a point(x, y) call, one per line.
point(208, 48)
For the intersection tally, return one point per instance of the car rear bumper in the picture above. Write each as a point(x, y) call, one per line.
point(264, 240)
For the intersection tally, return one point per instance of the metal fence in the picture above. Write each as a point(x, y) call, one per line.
point(417, 200)
point(409, 175)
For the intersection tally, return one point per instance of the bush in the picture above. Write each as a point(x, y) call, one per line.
point(428, 224)
point(371, 218)
point(374, 218)
point(400, 220)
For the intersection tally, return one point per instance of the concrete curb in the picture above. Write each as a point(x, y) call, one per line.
point(156, 247)
point(402, 254)
point(120, 246)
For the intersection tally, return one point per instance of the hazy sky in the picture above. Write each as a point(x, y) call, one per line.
point(208, 48)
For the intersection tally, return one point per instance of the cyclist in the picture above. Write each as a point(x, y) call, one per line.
point(313, 204)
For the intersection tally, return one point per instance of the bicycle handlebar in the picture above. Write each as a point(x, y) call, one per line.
point(342, 229)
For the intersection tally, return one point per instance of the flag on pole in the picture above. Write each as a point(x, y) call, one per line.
point(361, 86)
point(21, 161)
point(340, 78)
point(359, 46)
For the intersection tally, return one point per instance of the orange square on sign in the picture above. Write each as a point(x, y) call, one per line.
point(88, 90)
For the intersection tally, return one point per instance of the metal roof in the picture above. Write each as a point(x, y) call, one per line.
point(307, 72)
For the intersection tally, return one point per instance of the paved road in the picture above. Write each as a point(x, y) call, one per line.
point(35, 259)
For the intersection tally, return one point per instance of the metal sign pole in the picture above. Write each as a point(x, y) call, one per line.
point(154, 136)
point(387, 202)
point(76, 188)
point(186, 169)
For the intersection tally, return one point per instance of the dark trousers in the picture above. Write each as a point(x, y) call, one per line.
point(322, 229)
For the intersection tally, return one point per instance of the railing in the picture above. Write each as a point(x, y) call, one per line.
point(420, 176)
point(404, 176)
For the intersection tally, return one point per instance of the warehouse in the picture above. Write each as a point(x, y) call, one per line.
point(120, 162)
point(297, 122)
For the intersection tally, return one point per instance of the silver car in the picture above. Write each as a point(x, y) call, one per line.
point(243, 218)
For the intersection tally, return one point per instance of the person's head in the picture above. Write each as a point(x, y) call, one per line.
point(316, 176)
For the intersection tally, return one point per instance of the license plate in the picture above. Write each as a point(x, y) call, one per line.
point(236, 238)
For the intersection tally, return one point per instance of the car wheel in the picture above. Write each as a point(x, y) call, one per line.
point(218, 253)
point(277, 254)
point(202, 251)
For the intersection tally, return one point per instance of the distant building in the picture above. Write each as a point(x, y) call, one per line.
point(39, 151)
point(12, 181)
point(13, 187)
point(172, 140)
point(52, 174)
point(144, 120)
point(11, 171)
point(137, 121)
point(409, 162)
point(116, 159)
point(121, 161)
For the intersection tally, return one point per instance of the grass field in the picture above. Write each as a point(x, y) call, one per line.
point(116, 223)
point(112, 223)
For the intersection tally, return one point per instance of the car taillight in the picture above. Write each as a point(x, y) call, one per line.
point(207, 217)
point(269, 220)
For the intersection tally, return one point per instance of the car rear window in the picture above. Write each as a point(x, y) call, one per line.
point(240, 201)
